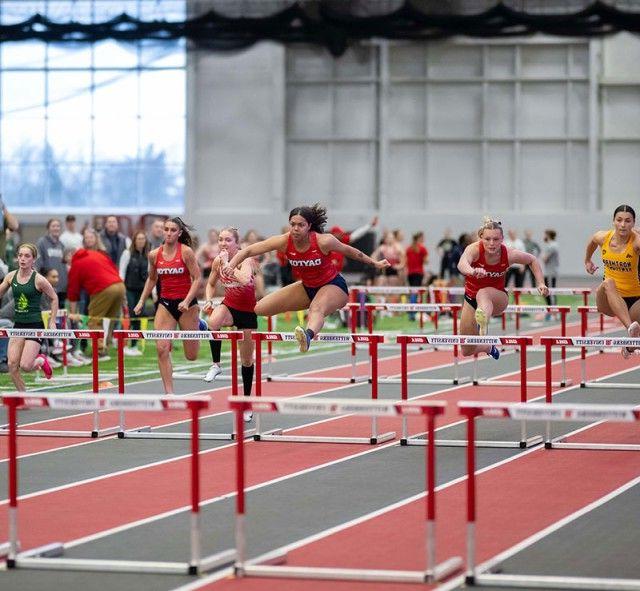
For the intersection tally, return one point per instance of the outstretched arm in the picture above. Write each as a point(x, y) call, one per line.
point(524, 258)
point(467, 258)
point(596, 240)
point(273, 243)
point(329, 243)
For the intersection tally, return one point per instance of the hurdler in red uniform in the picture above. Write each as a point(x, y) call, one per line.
point(485, 263)
point(321, 288)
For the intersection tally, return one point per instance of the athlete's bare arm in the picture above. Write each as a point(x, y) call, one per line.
point(272, 243)
point(468, 257)
point(329, 243)
point(150, 283)
point(524, 258)
point(189, 259)
point(43, 285)
point(596, 240)
point(6, 283)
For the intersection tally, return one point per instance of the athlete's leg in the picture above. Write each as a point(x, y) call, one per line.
point(610, 303)
point(286, 299)
point(14, 354)
point(247, 347)
point(469, 326)
point(491, 302)
point(164, 321)
point(219, 317)
point(189, 320)
point(328, 299)
point(29, 358)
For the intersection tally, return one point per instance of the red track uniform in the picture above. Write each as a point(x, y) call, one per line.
point(312, 266)
point(175, 279)
point(495, 273)
point(238, 296)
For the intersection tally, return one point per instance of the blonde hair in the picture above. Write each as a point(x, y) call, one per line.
point(490, 224)
point(233, 231)
point(30, 247)
point(99, 244)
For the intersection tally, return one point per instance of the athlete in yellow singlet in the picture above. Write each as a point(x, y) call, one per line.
point(619, 294)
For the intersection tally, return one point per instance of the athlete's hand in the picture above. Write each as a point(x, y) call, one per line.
point(208, 306)
point(52, 324)
point(590, 267)
point(138, 309)
point(227, 272)
point(183, 306)
point(479, 272)
point(543, 290)
point(383, 264)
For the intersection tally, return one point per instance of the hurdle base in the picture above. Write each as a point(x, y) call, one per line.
point(438, 381)
point(71, 434)
point(199, 378)
point(50, 557)
point(274, 436)
point(551, 582)
point(147, 433)
point(525, 444)
point(612, 385)
point(73, 377)
point(560, 443)
point(319, 380)
point(440, 572)
point(533, 384)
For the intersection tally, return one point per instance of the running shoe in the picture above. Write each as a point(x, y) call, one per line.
point(483, 322)
point(495, 352)
point(248, 416)
point(302, 336)
point(214, 371)
point(132, 352)
point(202, 324)
point(45, 367)
point(634, 332)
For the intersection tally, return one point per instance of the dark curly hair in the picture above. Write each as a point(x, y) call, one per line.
point(316, 216)
point(185, 236)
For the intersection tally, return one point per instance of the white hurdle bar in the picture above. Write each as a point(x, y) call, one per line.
point(335, 338)
point(584, 343)
point(517, 310)
point(577, 291)
point(145, 432)
point(94, 335)
point(522, 412)
point(374, 438)
point(521, 342)
point(50, 556)
point(340, 406)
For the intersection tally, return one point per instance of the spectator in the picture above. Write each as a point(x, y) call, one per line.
point(348, 238)
point(516, 270)
point(51, 256)
point(71, 238)
point(156, 234)
point(94, 271)
point(532, 247)
point(551, 262)
point(417, 257)
point(445, 250)
point(115, 242)
point(134, 270)
point(9, 222)
point(390, 250)
point(207, 252)
point(6, 321)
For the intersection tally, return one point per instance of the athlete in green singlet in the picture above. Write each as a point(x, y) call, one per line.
point(28, 286)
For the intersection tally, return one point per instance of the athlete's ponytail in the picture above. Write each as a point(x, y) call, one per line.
point(185, 236)
point(315, 216)
point(490, 224)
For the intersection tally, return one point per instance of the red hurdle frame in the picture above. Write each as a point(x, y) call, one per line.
point(522, 342)
point(94, 335)
point(373, 340)
point(524, 412)
point(145, 432)
point(50, 555)
point(334, 406)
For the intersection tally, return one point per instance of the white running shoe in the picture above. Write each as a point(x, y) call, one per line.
point(634, 332)
point(214, 371)
point(54, 363)
point(73, 362)
point(302, 336)
point(248, 416)
point(132, 352)
point(483, 322)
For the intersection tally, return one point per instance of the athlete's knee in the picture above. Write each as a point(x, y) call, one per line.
point(190, 355)
point(13, 366)
point(260, 309)
point(24, 366)
point(467, 351)
point(609, 285)
point(164, 349)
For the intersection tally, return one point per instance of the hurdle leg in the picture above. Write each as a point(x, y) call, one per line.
point(241, 548)
point(471, 501)
point(194, 563)
point(13, 485)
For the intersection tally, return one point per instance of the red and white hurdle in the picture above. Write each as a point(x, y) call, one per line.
point(94, 335)
point(146, 432)
point(521, 342)
point(51, 556)
point(537, 412)
point(334, 338)
point(334, 406)
point(373, 340)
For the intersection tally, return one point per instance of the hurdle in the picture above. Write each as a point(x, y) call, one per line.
point(521, 342)
point(598, 342)
point(145, 432)
point(96, 431)
point(335, 338)
point(577, 291)
point(339, 406)
point(50, 556)
point(523, 412)
point(374, 438)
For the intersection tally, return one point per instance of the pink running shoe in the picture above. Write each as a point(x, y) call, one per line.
point(45, 367)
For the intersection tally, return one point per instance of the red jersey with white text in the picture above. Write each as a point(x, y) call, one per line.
point(495, 273)
point(238, 296)
point(175, 279)
point(312, 266)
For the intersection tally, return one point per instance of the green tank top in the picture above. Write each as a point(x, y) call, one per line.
point(27, 299)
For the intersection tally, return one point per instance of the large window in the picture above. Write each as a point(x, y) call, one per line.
point(92, 127)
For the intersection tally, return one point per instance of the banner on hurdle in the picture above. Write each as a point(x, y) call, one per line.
point(373, 438)
point(522, 342)
point(533, 411)
point(51, 556)
point(600, 342)
point(334, 338)
point(338, 406)
point(518, 310)
point(146, 432)
point(95, 431)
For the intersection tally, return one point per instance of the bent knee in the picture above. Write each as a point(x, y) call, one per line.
point(467, 350)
